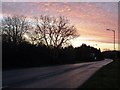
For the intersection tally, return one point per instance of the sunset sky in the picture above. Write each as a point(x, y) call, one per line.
point(91, 19)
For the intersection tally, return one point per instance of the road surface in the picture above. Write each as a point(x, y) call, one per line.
point(62, 76)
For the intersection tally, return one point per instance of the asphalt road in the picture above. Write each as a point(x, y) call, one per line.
point(63, 76)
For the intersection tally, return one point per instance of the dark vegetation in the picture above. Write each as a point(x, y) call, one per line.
point(49, 43)
point(105, 78)
point(28, 55)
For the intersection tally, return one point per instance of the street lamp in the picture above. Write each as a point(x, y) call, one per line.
point(114, 36)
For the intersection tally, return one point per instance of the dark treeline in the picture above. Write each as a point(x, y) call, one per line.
point(28, 55)
point(42, 41)
point(111, 54)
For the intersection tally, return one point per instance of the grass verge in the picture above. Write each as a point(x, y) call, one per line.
point(106, 77)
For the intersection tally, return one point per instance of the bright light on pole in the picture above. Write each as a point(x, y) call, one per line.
point(114, 36)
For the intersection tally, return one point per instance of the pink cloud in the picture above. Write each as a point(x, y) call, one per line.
point(91, 19)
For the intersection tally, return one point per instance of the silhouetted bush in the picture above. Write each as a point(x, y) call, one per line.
point(28, 55)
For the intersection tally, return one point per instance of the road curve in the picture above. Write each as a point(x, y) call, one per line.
point(62, 76)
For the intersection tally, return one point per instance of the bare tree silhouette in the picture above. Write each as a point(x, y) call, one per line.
point(13, 28)
point(52, 31)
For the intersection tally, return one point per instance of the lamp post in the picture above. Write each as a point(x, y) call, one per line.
point(114, 36)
